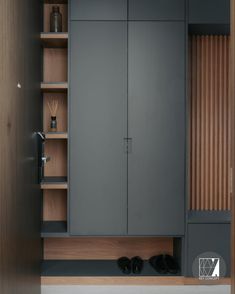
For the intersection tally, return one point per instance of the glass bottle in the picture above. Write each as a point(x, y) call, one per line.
point(56, 20)
point(53, 124)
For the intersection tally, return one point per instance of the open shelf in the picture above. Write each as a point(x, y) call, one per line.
point(54, 183)
point(54, 40)
point(55, 205)
point(56, 135)
point(54, 229)
point(54, 87)
point(92, 268)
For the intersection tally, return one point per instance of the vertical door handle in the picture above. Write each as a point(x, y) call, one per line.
point(128, 145)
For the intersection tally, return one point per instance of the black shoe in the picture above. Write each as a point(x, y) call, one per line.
point(158, 263)
point(124, 264)
point(171, 264)
point(137, 265)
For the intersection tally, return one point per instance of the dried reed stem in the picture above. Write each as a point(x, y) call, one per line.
point(53, 107)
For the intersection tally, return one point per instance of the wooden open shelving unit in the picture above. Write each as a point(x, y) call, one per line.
point(54, 85)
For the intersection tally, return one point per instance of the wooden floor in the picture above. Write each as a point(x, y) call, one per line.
point(129, 281)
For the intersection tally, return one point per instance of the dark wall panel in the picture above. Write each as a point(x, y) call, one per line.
point(98, 10)
point(20, 249)
point(156, 9)
point(209, 11)
point(206, 239)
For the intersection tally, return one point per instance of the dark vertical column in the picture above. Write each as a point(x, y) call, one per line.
point(20, 244)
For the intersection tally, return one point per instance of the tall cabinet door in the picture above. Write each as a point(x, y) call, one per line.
point(98, 126)
point(156, 166)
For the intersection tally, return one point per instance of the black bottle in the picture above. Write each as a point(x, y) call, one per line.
point(56, 20)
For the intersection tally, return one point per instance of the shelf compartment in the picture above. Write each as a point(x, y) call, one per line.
point(54, 40)
point(57, 151)
point(56, 135)
point(55, 65)
point(106, 248)
point(54, 229)
point(62, 112)
point(54, 87)
point(54, 183)
point(55, 205)
point(92, 268)
point(47, 11)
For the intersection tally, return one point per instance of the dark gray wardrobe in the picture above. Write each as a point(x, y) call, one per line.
point(127, 118)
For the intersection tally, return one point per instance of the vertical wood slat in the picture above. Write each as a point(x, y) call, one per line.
point(202, 130)
point(209, 123)
point(198, 139)
point(215, 143)
point(230, 119)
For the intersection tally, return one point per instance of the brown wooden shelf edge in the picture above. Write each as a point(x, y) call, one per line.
point(130, 281)
point(54, 87)
point(51, 136)
point(54, 186)
point(54, 40)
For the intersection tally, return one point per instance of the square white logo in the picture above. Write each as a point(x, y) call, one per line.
point(209, 268)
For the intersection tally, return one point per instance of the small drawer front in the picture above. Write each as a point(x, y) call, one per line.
point(98, 10)
point(156, 10)
point(203, 238)
point(209, 11)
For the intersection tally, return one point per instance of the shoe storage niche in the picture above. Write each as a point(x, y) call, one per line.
point(118, 76)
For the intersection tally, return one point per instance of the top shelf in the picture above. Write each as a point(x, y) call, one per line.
point(54, 40)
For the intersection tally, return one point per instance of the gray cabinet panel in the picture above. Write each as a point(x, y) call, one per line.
point(98, 10)
point(157, 128)
point(156, 9)
point(98, 124)
point(204, 238)
point(209, 11)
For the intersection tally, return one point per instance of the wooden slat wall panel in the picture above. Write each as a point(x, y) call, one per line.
point(209, 123)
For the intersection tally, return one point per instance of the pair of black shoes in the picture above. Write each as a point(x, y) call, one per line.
point(164, 264)
point(134, 265)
